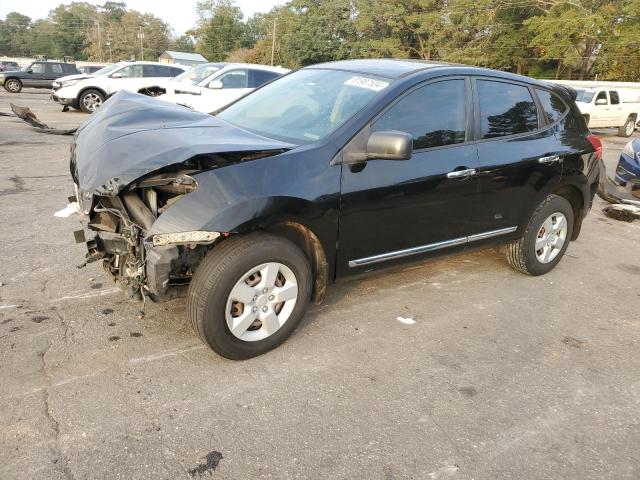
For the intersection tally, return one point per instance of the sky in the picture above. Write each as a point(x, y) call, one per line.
point(180, 14)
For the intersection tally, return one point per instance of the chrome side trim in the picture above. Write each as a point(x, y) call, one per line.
point(428, 248)
point(405, 253)
point(492, 233)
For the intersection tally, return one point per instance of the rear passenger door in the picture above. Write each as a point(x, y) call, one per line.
point(53, 71)
point(617, 112)
point(519, 156)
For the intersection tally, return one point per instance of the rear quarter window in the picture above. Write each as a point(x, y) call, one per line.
point(505, 109)
point(553, 107)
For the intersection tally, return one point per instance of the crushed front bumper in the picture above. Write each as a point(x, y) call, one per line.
point(63, 101)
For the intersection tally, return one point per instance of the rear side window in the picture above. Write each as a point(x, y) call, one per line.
point(258, 78)
point(552, 105)
point(434, 115)
point(37, 68)
point(615, 99)
point(234, 79)
point(56, 68)
point(174, 72)
point(68, 68)
point(505, 109)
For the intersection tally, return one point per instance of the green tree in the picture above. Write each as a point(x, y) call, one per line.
point(221, 29)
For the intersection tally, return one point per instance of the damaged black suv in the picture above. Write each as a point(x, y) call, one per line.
point(332, 170)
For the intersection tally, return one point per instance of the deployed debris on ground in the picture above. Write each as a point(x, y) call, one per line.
point(25, 113)
point(622, 211)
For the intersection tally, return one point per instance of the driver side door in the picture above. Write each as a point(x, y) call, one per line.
point(423, 206)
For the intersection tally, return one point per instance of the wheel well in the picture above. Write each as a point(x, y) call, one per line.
point(573, 195)
point(81, 92)
point(312, 248)
point(634, 116)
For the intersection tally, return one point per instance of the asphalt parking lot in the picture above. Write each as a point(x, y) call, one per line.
point(501, 376)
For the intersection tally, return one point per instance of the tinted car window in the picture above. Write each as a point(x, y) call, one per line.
point(434, 115)
point(56, 68)
point(174, 72)
point(37, 68)
point(505, 109)
point(234, 79)
point(615, 99)
point(153, 71)
point(260, 77)
point(602, 96)
point(552, 105)
point(68, 68)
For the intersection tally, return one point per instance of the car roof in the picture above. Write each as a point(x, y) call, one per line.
point(257, 66)
point(400, 68)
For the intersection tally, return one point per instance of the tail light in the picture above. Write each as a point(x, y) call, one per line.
point(597, 145)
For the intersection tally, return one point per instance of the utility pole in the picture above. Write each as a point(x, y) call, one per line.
point(273, 40)
point(99, 39)
point(109, 45)
point(141, 37)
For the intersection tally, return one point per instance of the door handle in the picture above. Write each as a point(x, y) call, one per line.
point(549, 160)
point(462, 173)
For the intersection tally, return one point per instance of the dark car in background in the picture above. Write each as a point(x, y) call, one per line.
point(39, 74)
point(334, 170)
point(8, 65)
point(628, 169)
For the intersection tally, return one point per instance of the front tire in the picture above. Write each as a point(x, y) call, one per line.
point(91, 100)
point(13, 85)
point(546, 238)
point(249, 294)
point(628, 128)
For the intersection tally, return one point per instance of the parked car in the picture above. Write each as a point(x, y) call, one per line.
point(628, 169)
point(211, 86)
point(8, 65)
point(90, 69)
point(40, 74)
point(603, 107)
point(333, 170)
point(89, 92)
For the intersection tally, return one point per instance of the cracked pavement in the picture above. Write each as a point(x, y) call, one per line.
point(501, 376)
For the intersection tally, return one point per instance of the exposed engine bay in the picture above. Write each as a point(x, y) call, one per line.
point(116, 229)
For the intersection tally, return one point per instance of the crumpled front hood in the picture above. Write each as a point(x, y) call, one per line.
point(132, 135)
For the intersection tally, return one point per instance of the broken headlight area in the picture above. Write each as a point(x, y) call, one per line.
point(115, 233)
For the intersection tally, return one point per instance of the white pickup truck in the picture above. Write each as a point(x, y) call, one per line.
point(608, 104)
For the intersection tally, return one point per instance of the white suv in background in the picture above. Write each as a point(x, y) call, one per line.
point(88, 92)
point(211, 86)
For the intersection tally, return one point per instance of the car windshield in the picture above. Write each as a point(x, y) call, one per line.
point(304, 106)
point(584, 96)
point(196, 74)
point(108, 69)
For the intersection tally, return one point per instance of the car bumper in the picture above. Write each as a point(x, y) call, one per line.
point(628, 170)
point(63, 101)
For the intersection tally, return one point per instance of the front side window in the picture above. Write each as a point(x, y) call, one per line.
point(306, 105)
point(505, 109)
point(234, 79)
point(602, 96)
point(615, 99)
point(131, 71)
point(434, 115)
point(552, 105)
point(37, 68)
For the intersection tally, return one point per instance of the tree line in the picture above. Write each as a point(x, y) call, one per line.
point(578, 39)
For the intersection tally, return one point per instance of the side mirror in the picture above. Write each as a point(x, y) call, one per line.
point(116, 75)
point(601, 101)
point(215, 85)
point(389, 145)
point(29, 71)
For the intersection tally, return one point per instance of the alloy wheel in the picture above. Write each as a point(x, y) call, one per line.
point(551, 237)
point(13, 86)
point(261, 301)
point(91, 101)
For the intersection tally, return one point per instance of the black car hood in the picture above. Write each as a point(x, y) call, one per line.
point(132, 135)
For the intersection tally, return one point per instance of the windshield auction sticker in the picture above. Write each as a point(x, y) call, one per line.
point(368, 83)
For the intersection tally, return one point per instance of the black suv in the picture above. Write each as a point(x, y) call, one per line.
point(335, 169)
point(36, 75)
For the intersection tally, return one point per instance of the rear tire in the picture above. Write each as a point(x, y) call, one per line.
point(232, 269)
point(628, 128)
point(541, 247)
point(13, 85)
